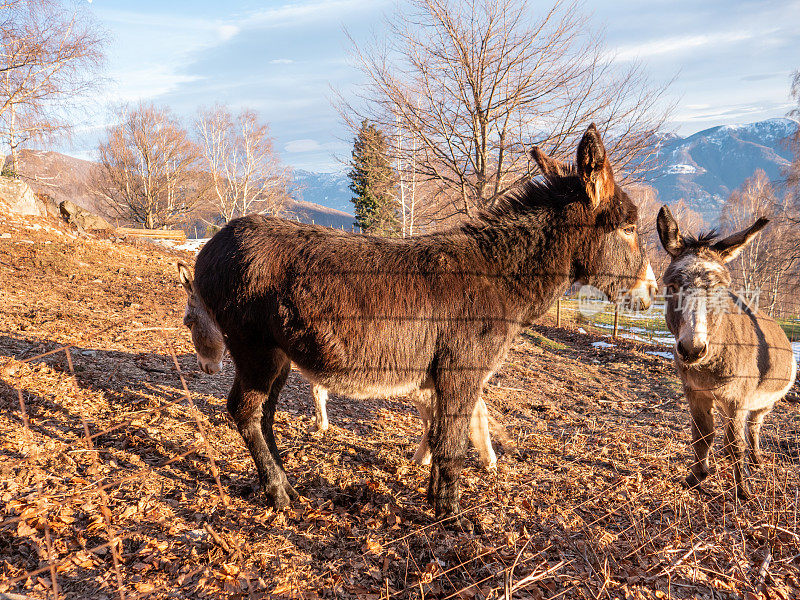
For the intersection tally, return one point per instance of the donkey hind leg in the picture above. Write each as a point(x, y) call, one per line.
point(754, 421)
point(425, 405)
point(246, 401)
point(734, 445)
point(702, 438)
point(267, 419)
point(455, 401)
point(479, 435)
point(320, 395)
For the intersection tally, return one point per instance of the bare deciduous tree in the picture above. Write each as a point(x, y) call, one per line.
point(50, 57)
point(238, 152)
point(792, 172)
point(148, 171)
point(473, 84)
point(646, 199)
point(765, 263)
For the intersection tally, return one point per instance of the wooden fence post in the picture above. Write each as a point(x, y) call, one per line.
point(558, 312)
point(616, 319)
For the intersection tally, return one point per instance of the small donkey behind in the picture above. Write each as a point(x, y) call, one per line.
point(426, 405)
point(728, 354)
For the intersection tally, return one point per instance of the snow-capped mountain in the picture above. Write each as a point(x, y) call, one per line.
point(704, 168)
point(326, 189)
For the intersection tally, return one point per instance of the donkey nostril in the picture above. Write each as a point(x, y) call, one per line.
point(690, 352)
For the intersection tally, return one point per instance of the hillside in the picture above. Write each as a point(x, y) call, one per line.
point(586, 501)
point(61, 176)
point(65, 177)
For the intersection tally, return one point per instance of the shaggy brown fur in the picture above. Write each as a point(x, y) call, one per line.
point(369, 316)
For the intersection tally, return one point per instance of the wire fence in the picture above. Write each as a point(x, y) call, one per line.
point(649, 326)
point(596, 517)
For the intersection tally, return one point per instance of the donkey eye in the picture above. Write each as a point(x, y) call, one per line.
point(629, 229)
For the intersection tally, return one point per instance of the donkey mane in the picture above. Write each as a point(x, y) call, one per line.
point(701, 240)
point(557, 192)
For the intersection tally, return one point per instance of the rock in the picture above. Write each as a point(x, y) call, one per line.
point(19, 197)
point(47, 206)
point(82, 218)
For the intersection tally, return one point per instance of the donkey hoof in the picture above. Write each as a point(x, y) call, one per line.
point(460, 523)
point(693, 481)
point(318, 430)
point(757, 460)
point(423, 461)
point(281, 496)
point(742, 494)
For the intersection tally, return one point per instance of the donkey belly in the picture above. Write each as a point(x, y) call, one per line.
point(361, 388)
point(364, 358)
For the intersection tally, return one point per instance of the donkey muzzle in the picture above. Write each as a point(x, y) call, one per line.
point(641, 294)
point(208, 366)
point(691, 353)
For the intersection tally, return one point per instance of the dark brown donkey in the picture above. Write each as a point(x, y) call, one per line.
point(367, 316)
point(729, 355)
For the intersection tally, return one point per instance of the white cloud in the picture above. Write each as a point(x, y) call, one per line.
point(302, 146)
point(281, 61)
point(294, 14)
point(228, 31)
point(681, 44)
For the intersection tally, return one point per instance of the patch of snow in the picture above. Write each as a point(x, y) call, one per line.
point(661, 354)
point(193, 245)
point(581, 330)
point(602, 345)
point(796, 349)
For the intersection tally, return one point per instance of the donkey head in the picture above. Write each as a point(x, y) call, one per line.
point(697, 283)
point(206, 336)
point(610, 255)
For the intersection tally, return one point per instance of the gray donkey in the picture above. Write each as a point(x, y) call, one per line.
point(728, 354)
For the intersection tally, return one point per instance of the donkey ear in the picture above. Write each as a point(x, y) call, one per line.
point(550, 167)
point(185, 276)
point(594, 168)
point(731, 246)
point(668, 232)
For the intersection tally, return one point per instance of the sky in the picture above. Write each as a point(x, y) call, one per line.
point(729, 62)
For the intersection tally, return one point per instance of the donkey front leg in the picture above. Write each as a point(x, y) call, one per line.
point(701, 409)
point(735, 446)
point(754, 421)
point(424, 403)
point(455, 401)
point(479, 435)
point(251, 403)
point(320, 395)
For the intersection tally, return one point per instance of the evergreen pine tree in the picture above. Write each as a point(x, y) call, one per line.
point(373, 183)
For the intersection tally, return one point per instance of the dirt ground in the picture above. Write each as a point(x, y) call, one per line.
point(116, 483)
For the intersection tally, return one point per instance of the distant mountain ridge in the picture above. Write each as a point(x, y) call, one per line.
point(704, 168)
point(326, 189)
